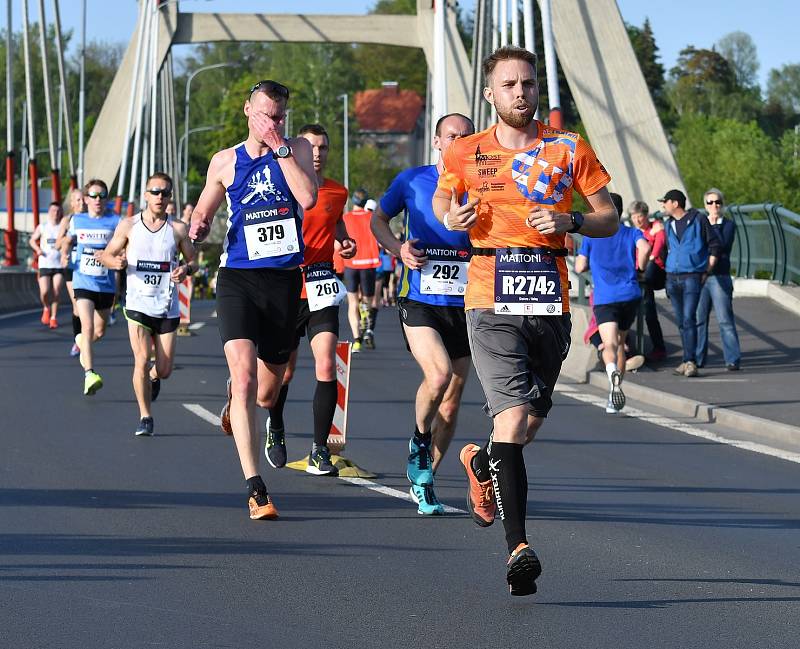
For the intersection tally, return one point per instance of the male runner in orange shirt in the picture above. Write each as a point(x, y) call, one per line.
point(318, 317)
point(361, 270)
point(519, 175)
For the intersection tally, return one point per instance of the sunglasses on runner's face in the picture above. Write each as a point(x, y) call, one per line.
point(159, 191)
point(271, 88)
point(714, 202)
point(100, 195)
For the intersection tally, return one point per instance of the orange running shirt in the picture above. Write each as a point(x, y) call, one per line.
point(510, 183)
point(319, 224)
point(358, 228)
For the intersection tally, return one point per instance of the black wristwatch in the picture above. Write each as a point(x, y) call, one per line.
point(577, 222)
point(283, 151)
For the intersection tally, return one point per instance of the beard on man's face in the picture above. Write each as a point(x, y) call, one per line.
point(514, 117)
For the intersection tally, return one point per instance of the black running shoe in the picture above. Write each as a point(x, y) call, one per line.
point(275, 448)
point(616, 396)
point(145, 427)
point(155, 388)
point(319, 462)
point(523, 570)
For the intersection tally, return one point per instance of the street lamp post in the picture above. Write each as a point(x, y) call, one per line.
point(186, 130)
point(346, 144)
point(183, 144)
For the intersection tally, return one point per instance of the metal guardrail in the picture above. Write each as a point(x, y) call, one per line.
point(767, 242)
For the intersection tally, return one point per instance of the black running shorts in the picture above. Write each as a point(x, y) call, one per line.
point(152, 324)
point(623, 313)
point(518, 358)
point(450, 322)
point(310, 323)
point(260, 304)
point(68, 274)
point(100, 300)
point(360, 277)
point(49, 272)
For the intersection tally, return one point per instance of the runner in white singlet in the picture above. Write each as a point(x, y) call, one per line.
point(147, 245)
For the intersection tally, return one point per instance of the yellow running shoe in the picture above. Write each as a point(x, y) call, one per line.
point(92, 382)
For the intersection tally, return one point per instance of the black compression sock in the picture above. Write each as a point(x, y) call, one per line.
point(276, 412)
point(76, 325)
point(423, 439)
point(480, 463)
point(372, 318)
point(510, 481)
point(324, 409)
point(255, 485)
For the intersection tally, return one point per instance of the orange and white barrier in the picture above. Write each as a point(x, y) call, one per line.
point(338, 433)
point(185, 300)
point(185, 306)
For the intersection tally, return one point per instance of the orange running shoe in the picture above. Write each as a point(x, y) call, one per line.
point(45, 316)
point(225, 414)
point(480, 495)
point(262, 507)
point(523, 570)
point(53, 323)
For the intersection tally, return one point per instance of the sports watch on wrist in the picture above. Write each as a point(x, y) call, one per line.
point(577, 222)
point(283, 151)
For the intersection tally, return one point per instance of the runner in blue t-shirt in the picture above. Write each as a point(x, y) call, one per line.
point(613, 262)
point(93, 284)
point(431, 305)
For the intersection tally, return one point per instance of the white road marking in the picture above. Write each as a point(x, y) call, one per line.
point(204, 414)
point(17, 314)
point(196, 325)
point(673, 424)
point(211, 418)
point(394, 493)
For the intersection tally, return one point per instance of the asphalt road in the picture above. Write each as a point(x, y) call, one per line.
point(648, 537)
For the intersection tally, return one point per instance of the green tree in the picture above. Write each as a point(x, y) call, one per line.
point(644, 46)
point(783, 88)
point(729, 154)
point(740, 51)
point(703, 81)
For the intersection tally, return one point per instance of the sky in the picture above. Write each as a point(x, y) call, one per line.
point(771, 23)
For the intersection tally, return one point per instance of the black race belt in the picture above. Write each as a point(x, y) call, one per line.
point(491, 252)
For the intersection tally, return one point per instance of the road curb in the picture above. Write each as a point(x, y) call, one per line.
point(767, 429)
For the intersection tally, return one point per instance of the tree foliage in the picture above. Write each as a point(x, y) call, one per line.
point(644, 46)
point(783, 88)
point(735, 156)
point(739, 50)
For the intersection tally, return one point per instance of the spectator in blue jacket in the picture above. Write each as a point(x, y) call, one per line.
point(692, 251)
point(718, 289)
point(616, 295)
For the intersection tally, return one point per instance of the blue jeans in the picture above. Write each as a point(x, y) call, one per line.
point(718, 290)
point(684, 292)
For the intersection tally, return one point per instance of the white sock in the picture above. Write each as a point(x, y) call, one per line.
point(610, 369)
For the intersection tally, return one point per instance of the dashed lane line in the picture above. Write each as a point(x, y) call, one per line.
point(681, 427)
point(204, 414)
point(211, 418)
point(196, 325)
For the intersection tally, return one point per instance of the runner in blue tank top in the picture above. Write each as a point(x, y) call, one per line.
point(93, 283)
point(268, 181)
point(431, 306)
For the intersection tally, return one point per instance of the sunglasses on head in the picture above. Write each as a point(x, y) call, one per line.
point(100, 195)
point(159, 191)
point(272, 88)
point(717, 202)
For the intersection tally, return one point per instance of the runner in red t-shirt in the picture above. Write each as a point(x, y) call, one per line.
point(360, 271)
point(318, 316)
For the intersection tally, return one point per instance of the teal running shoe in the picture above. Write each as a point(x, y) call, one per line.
point(419, 470)
point(427, 502)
